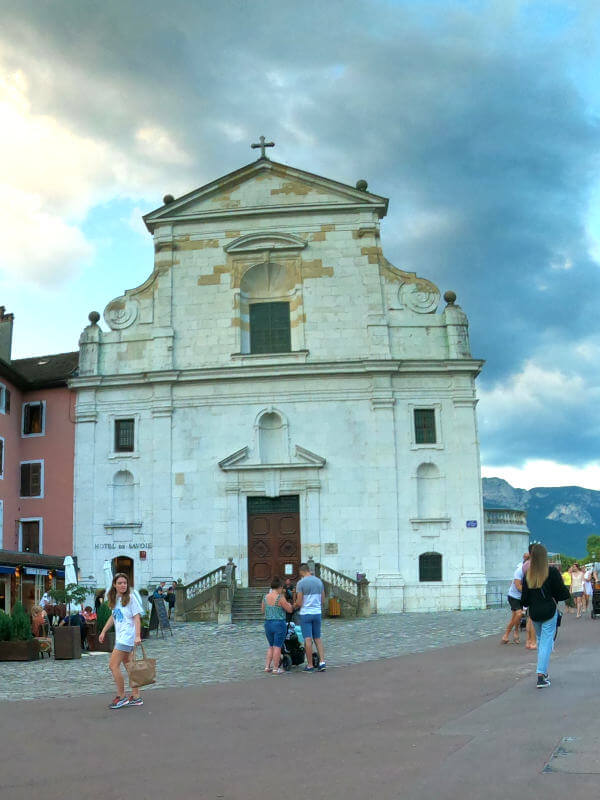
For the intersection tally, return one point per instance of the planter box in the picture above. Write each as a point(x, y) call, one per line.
point(108, 645)
point(20, 651)
point(67, 642)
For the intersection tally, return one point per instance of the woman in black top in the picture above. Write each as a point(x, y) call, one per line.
point(542, 587)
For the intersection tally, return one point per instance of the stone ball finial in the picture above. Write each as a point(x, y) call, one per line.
point(168, 198)
point(362, 185)
point(450, 298)
point(93, 317)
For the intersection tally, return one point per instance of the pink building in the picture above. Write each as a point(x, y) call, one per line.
point(36, 470)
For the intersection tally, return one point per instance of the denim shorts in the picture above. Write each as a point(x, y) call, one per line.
point(124, 648)
point(275, 631)
point(311, 625)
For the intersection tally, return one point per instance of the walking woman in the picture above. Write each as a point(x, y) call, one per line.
point(126, 615)
point(577, 575)
point(543, 587)
point(274, 607)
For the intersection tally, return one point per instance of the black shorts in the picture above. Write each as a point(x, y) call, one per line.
point(514, 603)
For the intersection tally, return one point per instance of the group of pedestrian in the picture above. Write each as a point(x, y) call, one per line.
point(537, 587)
point(162, 592)
point(580, 583)
point(279, 606)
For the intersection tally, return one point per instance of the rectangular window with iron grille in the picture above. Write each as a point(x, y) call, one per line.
point(425, 426)
point(270, 328)
point(430, 567)
point(124, 435)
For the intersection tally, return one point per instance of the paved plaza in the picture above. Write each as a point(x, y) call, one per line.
point(413, 707)
point(200, 653)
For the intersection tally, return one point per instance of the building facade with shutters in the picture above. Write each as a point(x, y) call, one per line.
point(277, 390)
point(37, 443)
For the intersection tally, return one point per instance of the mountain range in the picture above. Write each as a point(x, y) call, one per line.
point(561, 518)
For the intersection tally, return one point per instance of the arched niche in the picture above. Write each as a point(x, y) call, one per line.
point(272, 438)
point(123, 497)
point(430, 491)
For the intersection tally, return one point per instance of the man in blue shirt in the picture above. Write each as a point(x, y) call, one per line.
point(310, 597)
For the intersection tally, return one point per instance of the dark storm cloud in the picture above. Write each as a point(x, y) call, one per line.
point(470, 121)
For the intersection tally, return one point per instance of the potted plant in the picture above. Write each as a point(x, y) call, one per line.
point(102, 618)
point(16, 640)
point(145, 626)
point(67, 638)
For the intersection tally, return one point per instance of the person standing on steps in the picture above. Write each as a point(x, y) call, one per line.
point(310, 597)
point(543, 587)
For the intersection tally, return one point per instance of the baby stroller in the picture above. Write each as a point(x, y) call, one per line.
point(596, 601)
point(292, 651)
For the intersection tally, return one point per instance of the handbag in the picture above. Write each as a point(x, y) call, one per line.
point(142, 671)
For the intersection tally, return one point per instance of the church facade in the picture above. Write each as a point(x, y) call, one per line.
point(276, 390)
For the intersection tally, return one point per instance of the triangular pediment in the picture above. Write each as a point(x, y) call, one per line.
point(261, 187)
point(241, 460)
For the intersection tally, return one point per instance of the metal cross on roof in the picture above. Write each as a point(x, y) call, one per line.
point(262, 144)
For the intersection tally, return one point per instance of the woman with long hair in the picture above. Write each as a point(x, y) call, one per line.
point(126, 616)
point(542, 587)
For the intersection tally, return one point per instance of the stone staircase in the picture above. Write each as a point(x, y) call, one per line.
point(246, 604)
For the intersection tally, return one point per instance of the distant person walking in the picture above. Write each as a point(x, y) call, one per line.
point(126, 616)
point(543, 587)
point(310, 597)
point(589, 580)
point(569, 603)
point(577, 575)
point(274, 606)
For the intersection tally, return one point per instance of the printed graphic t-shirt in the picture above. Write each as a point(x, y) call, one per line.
point(123, 616)
point(311, 589)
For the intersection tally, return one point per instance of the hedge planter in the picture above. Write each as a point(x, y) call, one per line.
point(67, 642)
point(108, 645)
point(20, 651)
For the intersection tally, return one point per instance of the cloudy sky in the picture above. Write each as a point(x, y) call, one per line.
point(479, 120)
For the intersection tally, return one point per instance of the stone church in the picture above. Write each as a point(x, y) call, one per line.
point(276, 390)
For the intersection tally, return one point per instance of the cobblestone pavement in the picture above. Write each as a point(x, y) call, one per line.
point(200, 652)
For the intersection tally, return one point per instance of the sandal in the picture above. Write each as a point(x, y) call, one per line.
point(504, 641)
point(268, 669)
point(516, 640)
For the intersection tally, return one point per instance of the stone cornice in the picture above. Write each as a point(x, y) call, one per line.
point(284, 370)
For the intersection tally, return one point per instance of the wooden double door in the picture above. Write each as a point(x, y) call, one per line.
point(273, 539)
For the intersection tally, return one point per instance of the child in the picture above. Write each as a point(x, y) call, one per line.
point(126, 614)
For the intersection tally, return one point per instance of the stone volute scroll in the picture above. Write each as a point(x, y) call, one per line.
point(121, 313)
point(89, 346)
point(420, 295)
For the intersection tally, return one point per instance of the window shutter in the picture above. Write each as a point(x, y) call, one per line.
point(1, 458)
point(27, 419)
point(7, 401)
point(36, 480)
point(25, 471)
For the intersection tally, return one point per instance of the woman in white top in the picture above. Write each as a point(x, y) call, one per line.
point(126, 615)
point(577, 575)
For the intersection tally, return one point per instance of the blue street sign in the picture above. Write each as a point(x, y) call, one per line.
point(471, 523)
